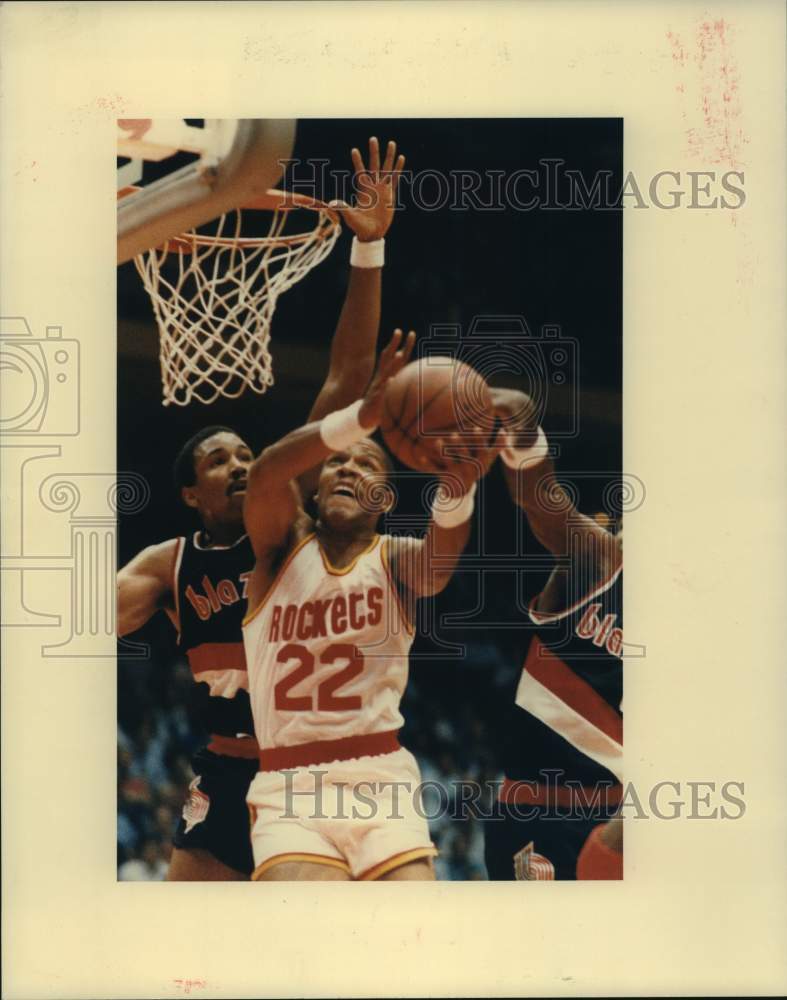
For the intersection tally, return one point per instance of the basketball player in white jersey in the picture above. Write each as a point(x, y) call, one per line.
point(327, 638)
point(212, 839)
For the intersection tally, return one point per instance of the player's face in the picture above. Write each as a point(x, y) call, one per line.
point(351, 484)
point(221, 467)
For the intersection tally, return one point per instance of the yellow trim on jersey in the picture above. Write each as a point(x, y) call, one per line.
point(345, 569)
point(180, 548)
point(397, 861)
point(397, 596)
point(253, 614)
point(315, 859)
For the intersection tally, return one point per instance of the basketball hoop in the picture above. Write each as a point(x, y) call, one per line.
point(214, 295)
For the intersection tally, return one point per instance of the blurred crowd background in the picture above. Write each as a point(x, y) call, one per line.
point(449, 266)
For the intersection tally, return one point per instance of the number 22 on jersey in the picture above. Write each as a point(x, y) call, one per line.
point(327, 698)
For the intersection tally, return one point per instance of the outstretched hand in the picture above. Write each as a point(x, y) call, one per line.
point(372, 214)
point(465, 458)
point(393, 358)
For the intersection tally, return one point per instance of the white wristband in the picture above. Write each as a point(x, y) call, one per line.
point(449, 513)
point(523, 458)
point(341, 428)
point(367, 254)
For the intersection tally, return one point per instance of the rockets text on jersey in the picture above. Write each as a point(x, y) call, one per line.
point(327, 649)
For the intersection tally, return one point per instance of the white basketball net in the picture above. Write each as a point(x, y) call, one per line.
point(214, 299)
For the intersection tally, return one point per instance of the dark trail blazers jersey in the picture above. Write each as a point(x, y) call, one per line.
point(210, 594)
point(567, 715)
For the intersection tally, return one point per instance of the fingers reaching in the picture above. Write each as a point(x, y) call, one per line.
point(392, 165)
point(357, 161)
point(390, 153)
point(374, 156)
point(408, 347)
point(397, 172)
point(395, 355)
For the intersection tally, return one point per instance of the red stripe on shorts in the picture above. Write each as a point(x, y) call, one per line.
point(325, 751)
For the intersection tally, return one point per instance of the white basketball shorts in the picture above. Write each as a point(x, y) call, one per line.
point(362, 815)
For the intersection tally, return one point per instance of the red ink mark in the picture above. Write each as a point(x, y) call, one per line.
point(187, 985)
point(678, 52)
point(713, 125)
point(114, 103)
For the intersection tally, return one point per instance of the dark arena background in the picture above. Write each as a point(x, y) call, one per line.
point(512, 259)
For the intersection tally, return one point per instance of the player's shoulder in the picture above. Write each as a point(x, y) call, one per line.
point(396, 547)
point(159, 559)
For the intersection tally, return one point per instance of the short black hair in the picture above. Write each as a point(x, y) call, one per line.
point(387, 460)
point(183, 472)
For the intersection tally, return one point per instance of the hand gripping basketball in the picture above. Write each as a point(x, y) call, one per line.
point(437, 411)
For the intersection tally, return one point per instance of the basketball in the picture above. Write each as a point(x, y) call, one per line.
point(431, 399)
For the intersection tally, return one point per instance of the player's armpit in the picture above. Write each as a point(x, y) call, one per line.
point(424, 566)
point(145, 585)
point(271, 508)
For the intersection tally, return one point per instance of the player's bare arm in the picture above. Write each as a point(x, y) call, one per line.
point(273, 513)
point(424, 566)
point(354, 344)
point(530, 475)
point(145, 585)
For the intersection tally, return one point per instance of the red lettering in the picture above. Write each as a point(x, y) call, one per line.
point(606, 625)
point(273, 635)
point(615, 641)
point(199, 603)
point(288, 625)
point(588, 624)
point(339, 615)
point(327, 699)
point(319, 626)
point(374, 603)
point(244, 579)
point(356, 621)
point(302, 631)
point(212, 596)
point(226, 592)
point(282, 699)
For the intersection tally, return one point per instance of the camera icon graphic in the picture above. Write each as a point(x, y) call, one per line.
point(503, 350)
point(40, 380)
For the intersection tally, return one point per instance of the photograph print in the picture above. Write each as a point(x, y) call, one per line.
point(370, 601)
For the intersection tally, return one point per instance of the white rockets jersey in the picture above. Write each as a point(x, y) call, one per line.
point(327, 649)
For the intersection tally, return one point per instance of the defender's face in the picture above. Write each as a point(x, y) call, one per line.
point(350, 485)
point(221, 466)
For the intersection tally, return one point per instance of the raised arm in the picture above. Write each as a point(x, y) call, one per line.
point(551, 512)
point(145, 586)
point(354, 345)
point(272, 507)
